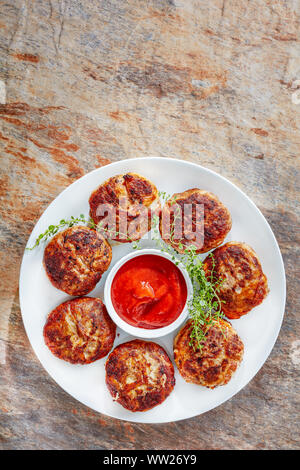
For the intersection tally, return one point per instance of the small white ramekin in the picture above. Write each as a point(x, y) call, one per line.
point(143, 332)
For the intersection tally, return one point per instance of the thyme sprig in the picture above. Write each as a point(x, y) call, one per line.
point(53, 229)
point(205, 307)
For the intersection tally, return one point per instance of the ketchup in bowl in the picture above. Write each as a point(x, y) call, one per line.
point(149, 291)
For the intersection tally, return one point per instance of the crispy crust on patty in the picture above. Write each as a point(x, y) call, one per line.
point(244, 284)
point(219, 358)
point(137, 195)
point(80, 331)
point(139, 375)
point(217, 220)
point(76, 258)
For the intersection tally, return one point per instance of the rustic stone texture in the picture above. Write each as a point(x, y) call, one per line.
point(92, 82)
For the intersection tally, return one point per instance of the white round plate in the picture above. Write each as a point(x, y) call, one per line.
point(258, 329)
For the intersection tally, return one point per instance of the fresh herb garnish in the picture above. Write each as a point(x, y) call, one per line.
point(205, 307)
point(53, 229)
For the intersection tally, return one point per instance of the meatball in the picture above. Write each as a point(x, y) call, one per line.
point(131, 198)
point(76, 258)
point(139, 375)
point(217, 360)
point(211, 229)
point(80, 330)
point(243, 284)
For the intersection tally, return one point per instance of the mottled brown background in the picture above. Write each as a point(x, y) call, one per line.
point(89, 82)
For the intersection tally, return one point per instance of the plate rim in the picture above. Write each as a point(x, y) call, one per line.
point(254, 206)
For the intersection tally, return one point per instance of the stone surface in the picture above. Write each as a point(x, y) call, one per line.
point(89, 82)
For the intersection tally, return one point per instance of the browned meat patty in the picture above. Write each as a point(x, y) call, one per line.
point(76, 258)
point(244, 284)
point(216, 362)
point(80, 331)
point(215, 227)
point(131, 196)
point(139, 375)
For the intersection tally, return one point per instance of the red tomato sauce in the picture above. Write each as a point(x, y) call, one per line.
point(149, 291)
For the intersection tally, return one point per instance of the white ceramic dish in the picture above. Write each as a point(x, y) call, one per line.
point(142, 332)
point(258, 329)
